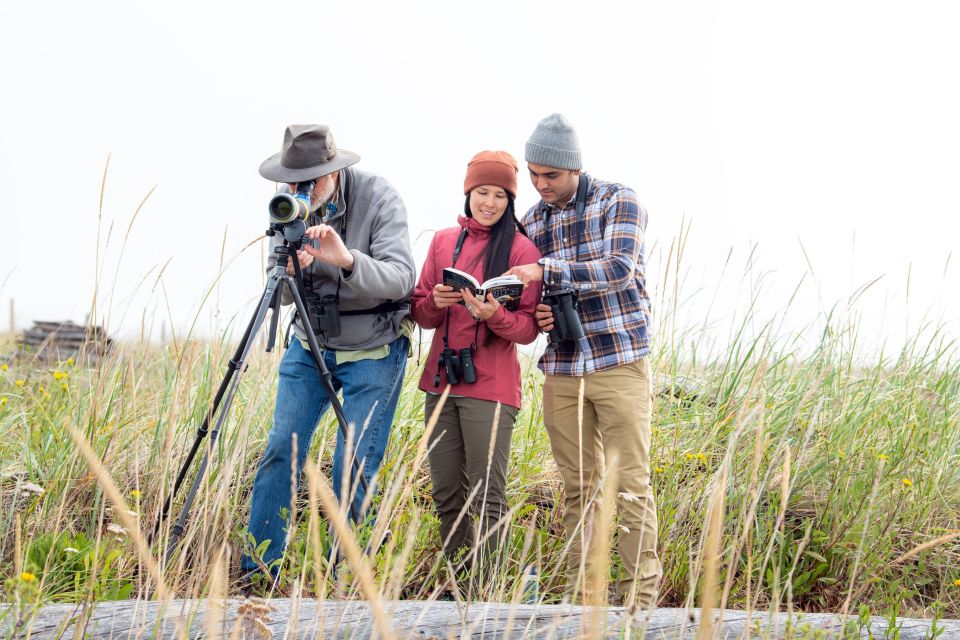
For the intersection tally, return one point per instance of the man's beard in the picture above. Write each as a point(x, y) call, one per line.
point(318, 209)
point(323, 201)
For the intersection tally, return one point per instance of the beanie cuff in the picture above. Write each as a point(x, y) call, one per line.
point(552, 157)
point(494, 168)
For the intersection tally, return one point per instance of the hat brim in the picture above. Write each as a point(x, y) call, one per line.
point(272, 169)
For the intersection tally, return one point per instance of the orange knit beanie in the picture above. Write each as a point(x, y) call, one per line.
point(492, 167)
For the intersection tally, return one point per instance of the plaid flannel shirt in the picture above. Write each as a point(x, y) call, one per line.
point(609, 277)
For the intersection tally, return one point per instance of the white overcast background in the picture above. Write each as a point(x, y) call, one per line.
point(812, 148)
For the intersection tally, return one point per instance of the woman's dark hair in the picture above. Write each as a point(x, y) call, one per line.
point(497, 258)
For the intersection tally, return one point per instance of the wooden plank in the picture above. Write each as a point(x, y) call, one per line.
point(57, 336)
point(50, 341)
point(419, 620)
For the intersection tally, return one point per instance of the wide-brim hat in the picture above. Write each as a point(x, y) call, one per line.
point(308, 152)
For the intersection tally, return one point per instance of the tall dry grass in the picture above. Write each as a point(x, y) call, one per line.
point(787, 478)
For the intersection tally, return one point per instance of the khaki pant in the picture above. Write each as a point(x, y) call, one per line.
point(616, 428)
point(461, 465)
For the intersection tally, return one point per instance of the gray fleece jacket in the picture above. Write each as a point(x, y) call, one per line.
point(383, 269)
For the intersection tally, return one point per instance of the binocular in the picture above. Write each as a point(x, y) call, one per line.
point(285, 207)
point(324, 314)
point(566, 320)
point(459, 366)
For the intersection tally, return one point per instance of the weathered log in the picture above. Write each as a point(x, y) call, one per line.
point(308, 618)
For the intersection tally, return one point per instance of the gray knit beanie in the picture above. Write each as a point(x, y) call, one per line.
point(554, 143)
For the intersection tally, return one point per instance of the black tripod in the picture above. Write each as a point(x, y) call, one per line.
point(293, 234)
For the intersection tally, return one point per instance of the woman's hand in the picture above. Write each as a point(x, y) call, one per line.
point(444, 296)
point(479, 309)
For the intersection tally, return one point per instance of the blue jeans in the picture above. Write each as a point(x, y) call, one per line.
point(370, 389)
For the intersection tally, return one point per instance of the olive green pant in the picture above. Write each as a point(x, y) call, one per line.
point(616, 406)
point(462, 465)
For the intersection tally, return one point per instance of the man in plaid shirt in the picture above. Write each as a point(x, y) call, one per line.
point(606, 374)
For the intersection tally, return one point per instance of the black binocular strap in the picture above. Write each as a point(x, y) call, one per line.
point(579, 206)
point(446, 331)
point(459, 246)
point(343, 238)
point(456, 256)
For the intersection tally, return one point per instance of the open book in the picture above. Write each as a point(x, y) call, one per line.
point(506, 289)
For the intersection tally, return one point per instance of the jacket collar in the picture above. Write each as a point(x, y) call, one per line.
point(472, 226)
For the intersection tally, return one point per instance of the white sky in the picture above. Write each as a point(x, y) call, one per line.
point(816, 134)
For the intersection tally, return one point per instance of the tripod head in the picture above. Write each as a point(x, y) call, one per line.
point(294, 232)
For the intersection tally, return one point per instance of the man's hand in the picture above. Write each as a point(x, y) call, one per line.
point(444, 296)
point(479, 309)
point(544, 317)
point(305, 260)
point(331, 249)
point(527, 273)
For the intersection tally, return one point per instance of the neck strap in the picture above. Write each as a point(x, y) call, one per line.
point(579, 205)
point(446, 331)
point(458, 247)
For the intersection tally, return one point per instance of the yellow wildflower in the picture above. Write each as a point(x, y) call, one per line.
point(884, 457)
point(19, 382)
point(907, 482)
point(4, 366)
point(69, 362)
point(658, 470)
point(59, 375)
point(135, 494)
point(40, 389)
point(64, 386)
point(956, 582)
point(3, 402)
point(26, 576)
point(689, 455)
point(702, 457)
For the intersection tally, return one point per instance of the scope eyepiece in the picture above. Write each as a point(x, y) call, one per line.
point(305, 188)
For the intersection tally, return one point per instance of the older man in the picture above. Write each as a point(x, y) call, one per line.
point(595, 248)
point(359, 260)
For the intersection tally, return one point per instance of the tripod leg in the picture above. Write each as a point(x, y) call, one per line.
point(274, 321)
point(326, 378)
point(228, 389)
point(232, 367)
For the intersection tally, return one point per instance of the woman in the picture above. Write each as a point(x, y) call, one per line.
point(488, 241)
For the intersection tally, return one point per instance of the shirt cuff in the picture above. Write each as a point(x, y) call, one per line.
point(550, 271)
